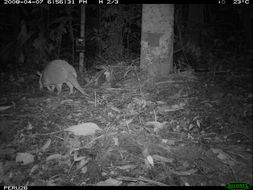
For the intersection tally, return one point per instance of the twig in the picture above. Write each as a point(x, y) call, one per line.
point(95, 99)
point(42, 134)
point(155, 116)
point(142, 179)
point(96, 139)
point(237, 133)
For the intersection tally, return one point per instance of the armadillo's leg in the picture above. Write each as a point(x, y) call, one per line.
point(58, 87)
point(51, 88)
point(70, 87)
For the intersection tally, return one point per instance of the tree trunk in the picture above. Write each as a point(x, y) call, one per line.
point(157, 39)
point(116, 35)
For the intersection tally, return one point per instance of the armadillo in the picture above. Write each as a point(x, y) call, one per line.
point(58, 72)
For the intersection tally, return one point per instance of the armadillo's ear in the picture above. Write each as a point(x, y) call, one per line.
point(39, 73)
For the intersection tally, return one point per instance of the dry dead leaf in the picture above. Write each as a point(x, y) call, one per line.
point(224, 157)
point(2, 108)
point(128, 121)
point(82, 163)
point(126, 167)
point(109, 182)
point(114, 108)
point(160, 102)
point(147, 164)
point(29, 127)
point(66, 101)
point(77, 159)
point(172, 108)
point(157, 125)
point(34, 168)
point(25, 158)
point(140, 102)
point(84, 170)
point(83, 129)
point(116, 141)
point(46, 145)
point(171, 142)
point(198, 123)
point(54, 157)
point(191, 126)
point(162, 159)
point(150, 160)
point(186, 172)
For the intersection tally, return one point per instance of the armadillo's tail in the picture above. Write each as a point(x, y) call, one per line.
point(73, 80)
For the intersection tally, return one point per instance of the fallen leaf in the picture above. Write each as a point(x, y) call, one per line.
point(175, 107)
point(150, 160)
point(126, 167)
point(54, 157)
point(187, 172)
point(83, 129)
point(77, 159)
point(191, 126)
point(198, 123)
point(29, 127)
point(115, 109)
point(25, 158)
point(109, 182)
point(34, 168)
point(128, 121)
point(224, 157)
point(2, 108)
point(46, 145)
point(140, 102)
point(147, 164)
point(216, 150)
point(160, 102)
point(125, 122)
point(82, 163)
point(171, 142)
point(104, 174)
point(162, 159)
point(157, 125)
point(116, 141)
point(84, 170)
point(66, 101)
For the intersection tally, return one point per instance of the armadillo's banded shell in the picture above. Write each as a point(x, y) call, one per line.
point(58, 72)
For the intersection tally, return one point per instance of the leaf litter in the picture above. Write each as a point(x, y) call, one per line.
point(184, 130)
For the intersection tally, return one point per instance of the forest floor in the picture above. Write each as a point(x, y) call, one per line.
point(190, 129)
